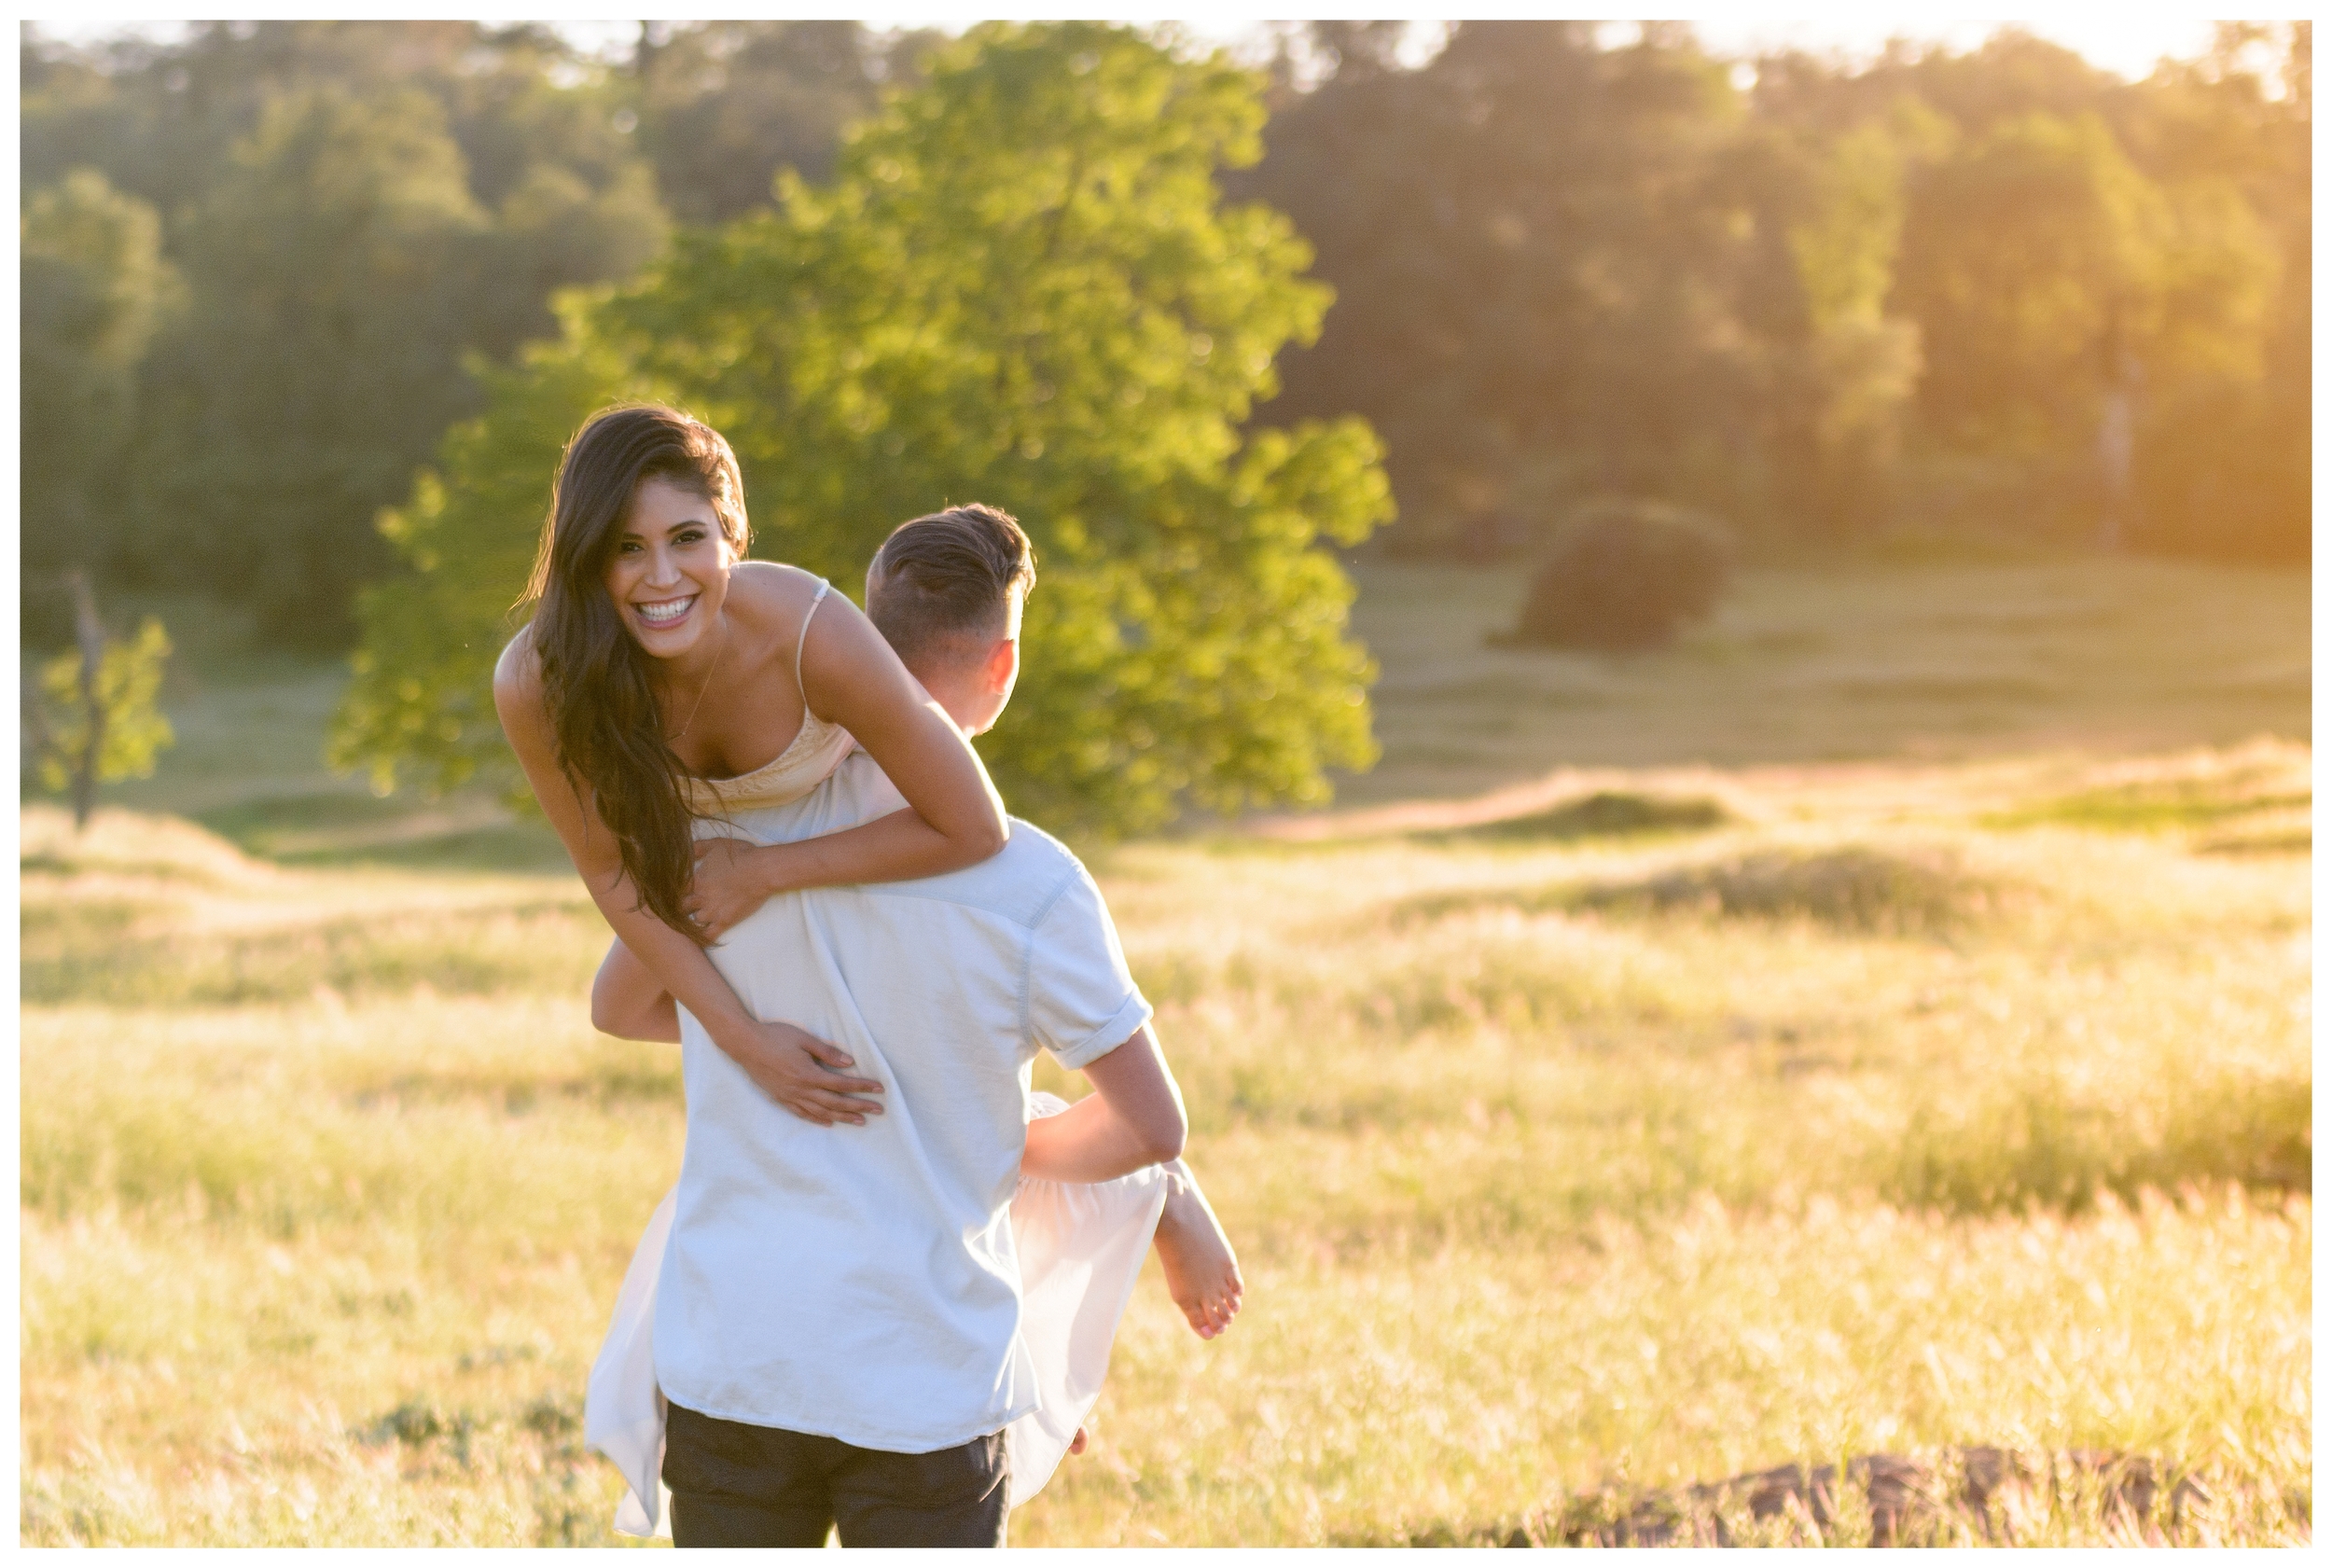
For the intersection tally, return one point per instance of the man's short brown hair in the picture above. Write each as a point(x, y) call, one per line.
point(948, 578)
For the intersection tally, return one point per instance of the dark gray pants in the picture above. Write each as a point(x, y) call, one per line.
point(735, 1485)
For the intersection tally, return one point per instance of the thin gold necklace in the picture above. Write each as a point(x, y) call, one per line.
point(708, 683)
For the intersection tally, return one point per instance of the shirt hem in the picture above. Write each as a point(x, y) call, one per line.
point(891, 1442)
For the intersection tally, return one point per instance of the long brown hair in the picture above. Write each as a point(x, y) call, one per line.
point(595, 676)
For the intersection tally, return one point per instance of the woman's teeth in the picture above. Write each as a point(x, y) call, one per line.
point(664, 615)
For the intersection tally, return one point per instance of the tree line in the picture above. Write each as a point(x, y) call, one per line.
point(1999, 290)
point(267, 268)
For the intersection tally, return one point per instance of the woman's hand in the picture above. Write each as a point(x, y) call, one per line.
point(802, 1073)
point(732, 880)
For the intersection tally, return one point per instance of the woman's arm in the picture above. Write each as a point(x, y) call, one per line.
point(852, 677)
point(628, 1002)
point(798, 1071)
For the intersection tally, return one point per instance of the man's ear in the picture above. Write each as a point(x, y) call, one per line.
point(1003, 666)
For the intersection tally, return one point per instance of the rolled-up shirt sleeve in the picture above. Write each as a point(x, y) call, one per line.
point(1081, 999)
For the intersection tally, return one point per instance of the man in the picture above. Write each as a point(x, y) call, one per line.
point(837, 1323)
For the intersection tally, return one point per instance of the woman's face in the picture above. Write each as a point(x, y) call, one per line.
point(669, 572)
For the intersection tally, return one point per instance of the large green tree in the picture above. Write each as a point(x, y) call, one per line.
point(1023, 287)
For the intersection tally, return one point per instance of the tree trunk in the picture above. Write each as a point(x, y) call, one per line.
point(2118, 437)
point(91, 633)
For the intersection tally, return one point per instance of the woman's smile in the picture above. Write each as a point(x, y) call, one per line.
point(664, 613)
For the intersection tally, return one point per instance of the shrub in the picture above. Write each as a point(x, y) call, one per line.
point(1626, 575)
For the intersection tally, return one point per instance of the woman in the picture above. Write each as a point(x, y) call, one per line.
point(657, 683)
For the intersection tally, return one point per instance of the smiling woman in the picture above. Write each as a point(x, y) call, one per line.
point(657, 658)
point(648, 521)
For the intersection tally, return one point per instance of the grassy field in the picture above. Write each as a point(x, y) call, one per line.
point(1646, 1106)
point(1913, 661)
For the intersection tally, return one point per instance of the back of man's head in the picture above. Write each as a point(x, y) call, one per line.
point(942, 588)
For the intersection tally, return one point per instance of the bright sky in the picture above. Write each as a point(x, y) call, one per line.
point(2126, 40)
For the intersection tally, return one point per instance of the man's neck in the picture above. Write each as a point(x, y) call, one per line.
point(949, 694)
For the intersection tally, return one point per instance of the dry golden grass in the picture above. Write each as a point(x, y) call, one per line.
point(1468, 1393)
point(1900, 1128)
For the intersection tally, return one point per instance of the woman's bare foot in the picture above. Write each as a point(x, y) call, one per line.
point(1201, 1271)
point(1077, 1444)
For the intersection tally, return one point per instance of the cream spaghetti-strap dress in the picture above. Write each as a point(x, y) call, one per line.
point(1080, 1245)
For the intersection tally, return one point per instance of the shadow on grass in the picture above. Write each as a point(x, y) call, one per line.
point(2016, 1143)
point(345, 828)
point(2292, 840)
point(1908, 893)
point(606, 1082)
point(1916, 892)
point(87, 951)
point(1604, 814)
point(508, 847)
point(1965, 1497)
point(50, 863)
point(250, 824)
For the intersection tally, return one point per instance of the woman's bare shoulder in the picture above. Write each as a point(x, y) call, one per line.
point(518, 671)
point(767, 600)
point(769, 583)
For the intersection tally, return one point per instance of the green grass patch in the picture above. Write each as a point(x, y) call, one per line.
point(2152, 806)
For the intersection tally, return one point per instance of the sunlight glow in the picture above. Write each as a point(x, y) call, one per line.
point(2128, 43)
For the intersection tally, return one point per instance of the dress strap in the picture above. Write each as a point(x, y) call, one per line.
point(816, 600)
